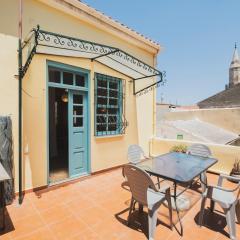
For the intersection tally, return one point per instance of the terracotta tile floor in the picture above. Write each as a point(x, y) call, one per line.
point(96, 208)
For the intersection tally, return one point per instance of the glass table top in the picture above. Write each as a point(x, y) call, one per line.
point(177, 167)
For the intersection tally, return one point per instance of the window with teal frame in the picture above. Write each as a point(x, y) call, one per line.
point(108, 105)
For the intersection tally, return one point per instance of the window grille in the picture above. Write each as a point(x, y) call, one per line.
point(109, 117)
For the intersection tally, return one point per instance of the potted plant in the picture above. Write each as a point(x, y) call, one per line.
point(236, 168)
point(179, 148)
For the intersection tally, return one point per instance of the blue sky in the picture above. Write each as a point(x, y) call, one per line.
point(197, 36)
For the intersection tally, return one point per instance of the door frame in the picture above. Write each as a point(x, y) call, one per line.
point(87, 90)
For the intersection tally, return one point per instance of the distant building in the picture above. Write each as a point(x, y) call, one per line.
point(230, 97)
point(234, 70)
point(188, 107)
point(166, 105)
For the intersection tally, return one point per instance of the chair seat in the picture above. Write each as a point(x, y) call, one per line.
point(225, 199)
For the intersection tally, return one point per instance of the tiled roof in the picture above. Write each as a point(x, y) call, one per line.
point(227, 98)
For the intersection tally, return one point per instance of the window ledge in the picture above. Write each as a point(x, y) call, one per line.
point(109, 136)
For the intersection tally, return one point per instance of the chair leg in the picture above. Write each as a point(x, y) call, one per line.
point(202, 211)
point(203, 181)
point(238, 211)
point(130, 211)
point(212, 206)
point(134, 205)
point(158, 182)
point(168, 198)
point(230, 217)
point(152, 222)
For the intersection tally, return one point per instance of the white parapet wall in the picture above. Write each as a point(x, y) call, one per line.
point(225, 154)
point(226, 118)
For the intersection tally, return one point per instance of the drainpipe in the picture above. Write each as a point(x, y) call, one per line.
point(154, 99)
point(20, 196)
point(154, 109)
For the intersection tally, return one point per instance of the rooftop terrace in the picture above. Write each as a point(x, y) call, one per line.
point(97, 208)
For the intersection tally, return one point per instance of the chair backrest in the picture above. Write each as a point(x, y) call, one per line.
point(139, 182)
point(135, 154)
point(199, 150)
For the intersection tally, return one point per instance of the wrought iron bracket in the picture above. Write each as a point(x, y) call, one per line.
point(106, 54)
point(149, 87)
point(35, 35)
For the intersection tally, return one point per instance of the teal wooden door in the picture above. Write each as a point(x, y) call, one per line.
point(78, 155)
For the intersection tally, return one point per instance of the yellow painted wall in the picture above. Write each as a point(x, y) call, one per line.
point(227, 118)
point(105, 152)
point(225, 154)
point(9, 87)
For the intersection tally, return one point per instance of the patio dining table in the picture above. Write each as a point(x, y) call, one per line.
point(179, 168)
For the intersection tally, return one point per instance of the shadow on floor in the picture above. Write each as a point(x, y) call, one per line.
point(9, 227)
point(138, 221)
point(214, 221)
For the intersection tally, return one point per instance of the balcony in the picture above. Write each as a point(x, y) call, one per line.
point(97, 208)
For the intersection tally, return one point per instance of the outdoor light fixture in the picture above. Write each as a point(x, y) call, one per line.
point(103, 110)
point(64, 97)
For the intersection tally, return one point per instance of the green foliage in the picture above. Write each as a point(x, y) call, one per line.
point(179, 148)
point(236, 166)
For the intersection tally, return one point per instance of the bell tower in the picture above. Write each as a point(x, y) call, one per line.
point(234, 70)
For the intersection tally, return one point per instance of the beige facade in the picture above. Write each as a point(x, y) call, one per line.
point(59, 17)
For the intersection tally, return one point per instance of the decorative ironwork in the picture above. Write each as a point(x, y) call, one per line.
point(29, 45)
point(151, 87)
point(104, 55)
point(49, 39)
point(109, 105)
point(121, 124)
point(131, 59)
point(93, 51)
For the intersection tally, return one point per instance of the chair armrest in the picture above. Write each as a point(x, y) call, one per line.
point(165, 192)
point(123, 174)
point(145, 168)
point(224, 176)
point(164, 189)
point(223, 189)
point(145, 156)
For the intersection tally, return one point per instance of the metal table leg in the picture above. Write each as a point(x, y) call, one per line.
point(179, 219)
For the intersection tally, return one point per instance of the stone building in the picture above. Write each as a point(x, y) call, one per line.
point(229, 97)
point(234, 70)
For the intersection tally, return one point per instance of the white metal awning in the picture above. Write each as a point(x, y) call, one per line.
point(61, 45)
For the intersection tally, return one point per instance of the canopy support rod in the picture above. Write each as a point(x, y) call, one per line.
point(152, 85)
point(106, 54)
point(154, 75)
